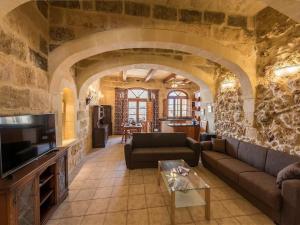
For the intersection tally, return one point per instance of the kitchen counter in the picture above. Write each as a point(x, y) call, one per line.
point(182, 125)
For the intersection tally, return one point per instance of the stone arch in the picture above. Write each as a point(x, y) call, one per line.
point(290, 9)
point(83, 85)
point(62, 58)
point(203, 79)
point(66, 83)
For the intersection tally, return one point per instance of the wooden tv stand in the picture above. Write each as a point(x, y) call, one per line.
point(33, 193)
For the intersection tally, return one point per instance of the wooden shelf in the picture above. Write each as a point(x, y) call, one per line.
point(46, 180)
point(45, 197)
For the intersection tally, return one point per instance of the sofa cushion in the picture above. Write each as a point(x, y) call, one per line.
point(231, 168)
point(141, 140)
point(163, 153)
point(276, 161)
point(218, 145)
point(232, 146)
point(252, 154)
point(262, 186)
point(210, 157)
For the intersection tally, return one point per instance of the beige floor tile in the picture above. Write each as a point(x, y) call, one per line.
point(206, 222)
point(66, 221)
point(72, 195)
point(136, 202)
point(182, 216)
point(257, 219)
point(135, 172)
point(136, 180)
point(138, 217)
point(159, 215)
point(98, 206)
point(119, 191)
point(152, 189)
point(105, 182)
point(90, 184)
point(155, 200)
point(93, 219)
point(224, 193)
point(117, 204)
point(239, 207)
point(71, 209)
point(228, 221)
point(217, 211)
point(85, 194)
point(104, 192)
point(150, 179)
point(149, 171)
point(137, 189)
point(115, 218)
point(121, 181)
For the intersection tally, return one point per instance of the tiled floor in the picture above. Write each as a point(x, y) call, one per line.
point(105, 193)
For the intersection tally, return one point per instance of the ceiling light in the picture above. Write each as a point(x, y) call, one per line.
point(288, 70)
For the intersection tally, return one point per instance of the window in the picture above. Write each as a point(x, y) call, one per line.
point(177, 104)
point(137, 105)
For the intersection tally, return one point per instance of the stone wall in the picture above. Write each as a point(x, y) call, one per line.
point(72, 21)
point(23, 61)
point(229, 113)
point(278, 98)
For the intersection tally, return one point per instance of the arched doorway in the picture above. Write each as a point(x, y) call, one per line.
point(68, 116)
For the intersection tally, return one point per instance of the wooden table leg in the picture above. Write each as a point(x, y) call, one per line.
point(126, 132)
point(207, 205)
point(172, 206)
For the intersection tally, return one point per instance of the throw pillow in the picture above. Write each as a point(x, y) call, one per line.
point(290, 172)
point(218, 145)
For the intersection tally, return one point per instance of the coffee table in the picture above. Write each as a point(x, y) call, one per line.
point(185, 191)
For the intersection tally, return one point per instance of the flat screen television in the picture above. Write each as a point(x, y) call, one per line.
point(23, 139)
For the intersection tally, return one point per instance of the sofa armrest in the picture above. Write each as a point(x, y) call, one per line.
point(128, 147)
point(194, 145)
point(290, 202)
point(205, 145)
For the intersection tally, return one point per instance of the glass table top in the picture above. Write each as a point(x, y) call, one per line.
point(170, 171)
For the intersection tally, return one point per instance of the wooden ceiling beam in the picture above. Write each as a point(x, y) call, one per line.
point(186, 81)
point(124, 75)
point(150, 74)
point(170, 77)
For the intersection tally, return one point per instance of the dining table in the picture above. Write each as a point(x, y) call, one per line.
point(130, 128)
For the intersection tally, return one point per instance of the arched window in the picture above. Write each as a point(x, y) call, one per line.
point(137, 104)
point(177, 104)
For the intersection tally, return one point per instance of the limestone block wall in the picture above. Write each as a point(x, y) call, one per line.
point(278, 98)
point(70, 21)
point(23, 61)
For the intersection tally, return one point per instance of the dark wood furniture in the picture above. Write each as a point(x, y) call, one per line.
point(128, 129)
point(33, 193)
point(102, 125)
point(189, 129)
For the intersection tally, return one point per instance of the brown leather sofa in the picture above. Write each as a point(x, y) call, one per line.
point(144, 150)
point(252, 171)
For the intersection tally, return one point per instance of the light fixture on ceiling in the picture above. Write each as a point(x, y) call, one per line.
point(174, 83)
point(287, 70)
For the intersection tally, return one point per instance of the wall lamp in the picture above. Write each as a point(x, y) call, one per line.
point(288, 70)
point(228, 84)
